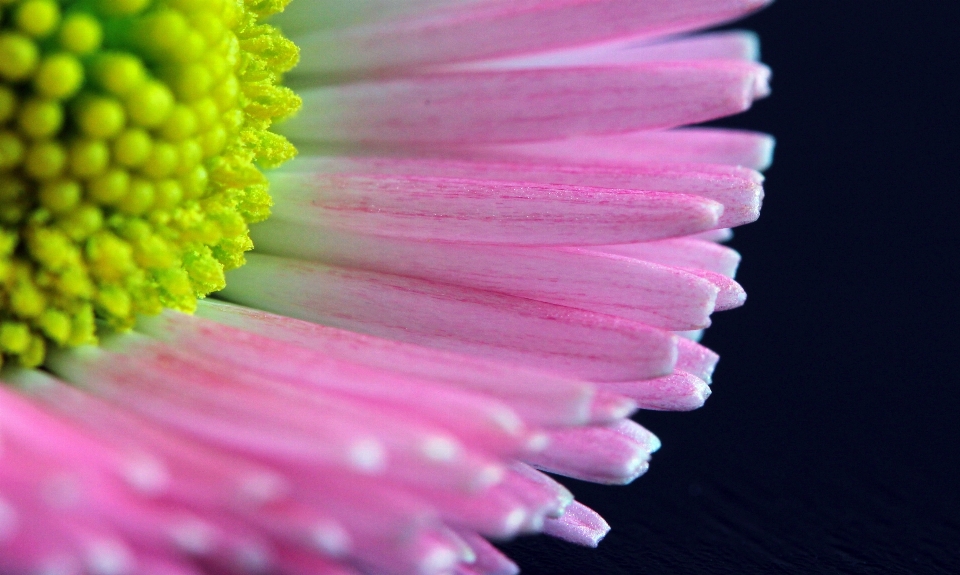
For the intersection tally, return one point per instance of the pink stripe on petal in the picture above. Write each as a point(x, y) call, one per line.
point(679, 391)
point(526, 105)
point(515, 330)
point(491, 28)
point(681, 252)
point(656, 295)
point(738, 189)
point(580, 525)
point(539, 397)
point(491, 211)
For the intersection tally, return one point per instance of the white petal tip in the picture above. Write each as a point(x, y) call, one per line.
point(761, 83)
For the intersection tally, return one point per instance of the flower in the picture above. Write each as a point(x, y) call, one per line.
point(494, 247)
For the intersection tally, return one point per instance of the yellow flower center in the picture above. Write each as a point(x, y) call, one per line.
point(130, 135)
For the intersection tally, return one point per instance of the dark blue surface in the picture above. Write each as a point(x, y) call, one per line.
point(832, 441)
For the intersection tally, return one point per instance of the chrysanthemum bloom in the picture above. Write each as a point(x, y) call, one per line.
point(493, 248)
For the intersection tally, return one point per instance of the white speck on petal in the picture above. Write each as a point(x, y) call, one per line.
point(368, 455)
point(508, 420)
point(440, 448)
point(330, 538)
point(146, 474)
point(108, 557)
point(440, 560)
point(514, 520)
point(538, 442)
point(488, 477)
point(193, 536)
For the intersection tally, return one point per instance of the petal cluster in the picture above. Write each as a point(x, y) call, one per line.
point(498, 242)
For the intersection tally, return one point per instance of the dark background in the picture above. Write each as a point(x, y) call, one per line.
point(831, 443)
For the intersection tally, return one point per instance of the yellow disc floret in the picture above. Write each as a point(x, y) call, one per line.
point(132, 134)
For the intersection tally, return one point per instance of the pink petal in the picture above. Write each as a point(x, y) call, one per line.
point(636, 149)
point(696, 359)
point(738, 189)
point(659, 296)
point(580, 525)
point(728, 45)
point(491, 28)
point(449, 209)
point(679, 391)
point(614, 454)
point(681, 252)
point(539, 397)
point(731, 294)
point(515, 330)
point(527, 105)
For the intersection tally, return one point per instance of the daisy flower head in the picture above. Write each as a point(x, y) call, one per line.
point(497, 242)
